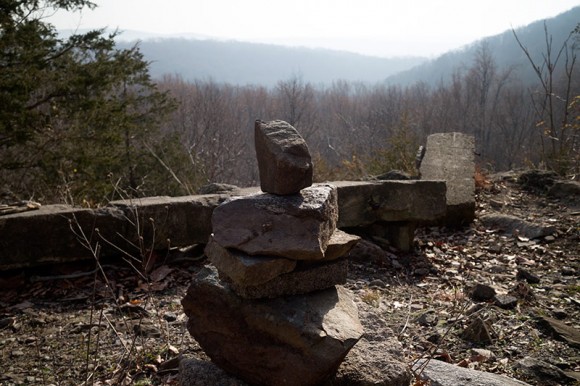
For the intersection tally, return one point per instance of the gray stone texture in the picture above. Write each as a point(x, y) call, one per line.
point(306, 278)
point(44, 236)
point(284, 161)
point(445, 374)
point(246, 270)
point(195, 372)
point(363, 203)
point(298, 227)
point(516, 226)
point(450, 157)
point(56, 233)
point(340, 244)
point(294, 340)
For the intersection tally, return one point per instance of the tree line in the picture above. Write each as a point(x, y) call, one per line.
point(83, 120)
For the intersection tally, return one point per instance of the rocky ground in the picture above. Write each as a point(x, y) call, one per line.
point(474, 296)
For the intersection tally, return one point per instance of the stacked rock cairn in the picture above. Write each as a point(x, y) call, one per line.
point(270, 309)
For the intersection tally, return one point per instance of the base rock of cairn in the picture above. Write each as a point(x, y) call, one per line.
point(291, 340)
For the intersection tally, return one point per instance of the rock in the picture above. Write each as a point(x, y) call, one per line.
point(505, 301)
point(363, 203)
point(377, 358)
point(526, 275)
point(216, 188)
point(481, 355)
point(294, 340)
point(481, 293)
point(284, 160)
point(440, 373)
point(543, 371)
point(246, 270)
point(516, 226)
point(565, 189)
point(304, 279)
point(477, 332)
point(564, 332)
point(370, 363)
point(537, 179)
point(394, 175)
point(340, 244)
point(428, 318)
point(367, 252)
point(450, 157)
point(298, 227)
point(194, 372)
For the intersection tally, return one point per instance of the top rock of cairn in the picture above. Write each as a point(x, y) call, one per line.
point(284, 160)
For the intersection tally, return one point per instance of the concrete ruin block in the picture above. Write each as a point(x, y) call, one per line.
point(363, 203)
point(450, 157)
point(298, 227)
point(170, 221)
point(284, 161)
point(56, 234)
point(306, 278)
point(246, 270)
point(291, 341)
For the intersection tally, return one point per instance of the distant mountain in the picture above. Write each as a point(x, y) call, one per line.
point(503, 47)
point(254, 63)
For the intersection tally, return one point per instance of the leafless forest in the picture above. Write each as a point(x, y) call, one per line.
point(357, 130)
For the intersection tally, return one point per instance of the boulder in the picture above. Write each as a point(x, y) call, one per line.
point(293, 340)
point(516, 226)
point(298, 227)
point(450, 157)
point(306, 278)
point(246, 270)
point(445, 374)
point(195, 372)
point(284, 160)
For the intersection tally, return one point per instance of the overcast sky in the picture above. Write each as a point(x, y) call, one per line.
point(373, 27)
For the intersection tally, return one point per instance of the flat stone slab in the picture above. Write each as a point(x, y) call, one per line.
point(298, 227)
point(306, 278)
point(290, 341)
point(340, 244)
point(450, 157)
point(362, 203)
point(246, 270)
point(445, 374)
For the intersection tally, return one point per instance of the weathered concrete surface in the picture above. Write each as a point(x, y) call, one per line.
point(43, 236)
point(293, 340)
point(362, 203)
point(298, 227)
point(450, 157)
point(176, 221)
point(55, 233)
point(284, 161)
point(306, 278)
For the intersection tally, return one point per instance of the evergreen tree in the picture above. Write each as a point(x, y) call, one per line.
point(74, 110)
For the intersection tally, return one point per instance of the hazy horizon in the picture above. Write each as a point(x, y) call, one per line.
point(420, 28)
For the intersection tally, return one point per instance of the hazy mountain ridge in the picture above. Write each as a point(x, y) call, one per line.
point(504, 48)
point(255, 63)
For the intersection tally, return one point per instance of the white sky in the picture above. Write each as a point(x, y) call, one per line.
point(374, 27)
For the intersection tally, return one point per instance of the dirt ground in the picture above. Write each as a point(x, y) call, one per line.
point(109, 324)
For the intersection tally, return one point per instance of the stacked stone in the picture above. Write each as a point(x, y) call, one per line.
point(270, 310)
